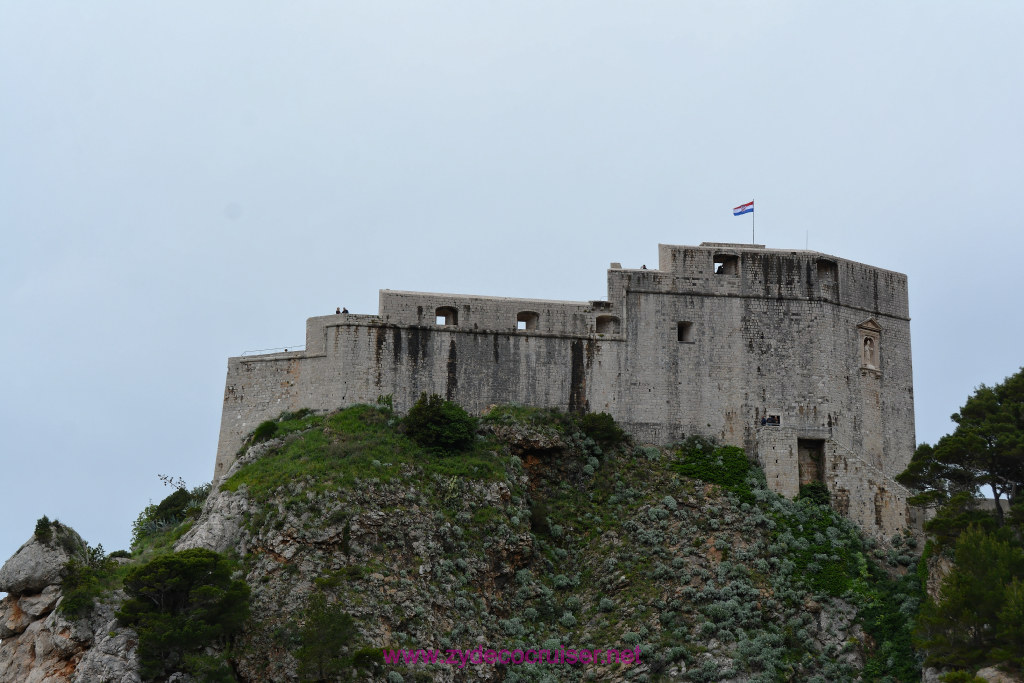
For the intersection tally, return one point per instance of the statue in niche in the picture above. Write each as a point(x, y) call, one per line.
point(869, 352)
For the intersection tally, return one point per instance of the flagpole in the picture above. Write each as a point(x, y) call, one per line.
point(753, 240)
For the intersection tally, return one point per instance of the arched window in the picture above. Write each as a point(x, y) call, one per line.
point(446, 315)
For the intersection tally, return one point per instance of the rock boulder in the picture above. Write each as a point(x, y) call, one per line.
point(38, 563)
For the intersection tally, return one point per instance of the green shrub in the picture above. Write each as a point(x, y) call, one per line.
point(173, 506)
point(370, 659)
point(327, 630)
point(296, 415)
point(981, 603)
point(539, 514)
point(265, 431)
point(81, 586)
point(961, 677)
point(440, 426)
point(816, 492)
point(601, 428)
point(726, 466)
point(44, 534)
point(87, 575)
point(180, 605)
point(179, 506)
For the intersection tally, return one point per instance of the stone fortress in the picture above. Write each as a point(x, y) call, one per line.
point(801, 358)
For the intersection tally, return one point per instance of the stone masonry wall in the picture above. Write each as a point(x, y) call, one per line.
point(771, 350)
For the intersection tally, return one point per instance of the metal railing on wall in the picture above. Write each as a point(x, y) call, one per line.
point(279, 349)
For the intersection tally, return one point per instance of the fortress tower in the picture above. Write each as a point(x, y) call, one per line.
point(801, 358)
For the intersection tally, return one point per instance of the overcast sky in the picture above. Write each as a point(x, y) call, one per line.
point(182, 182)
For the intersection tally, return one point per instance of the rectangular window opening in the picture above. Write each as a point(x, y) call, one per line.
point(684, 332)
point(446, 315)
point(726, 264)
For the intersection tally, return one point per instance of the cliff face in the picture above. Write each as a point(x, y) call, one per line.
point(38, 644)
point(540, 537)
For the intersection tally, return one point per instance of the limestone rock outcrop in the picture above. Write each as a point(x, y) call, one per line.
point(48, 648)
point(37, 643)
point(40, 563)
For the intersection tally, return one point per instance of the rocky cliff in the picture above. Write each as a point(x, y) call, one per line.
point(40, 645)
point(545, 534)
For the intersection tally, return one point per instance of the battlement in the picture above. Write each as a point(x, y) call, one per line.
point(800, 357)
point(461, 312)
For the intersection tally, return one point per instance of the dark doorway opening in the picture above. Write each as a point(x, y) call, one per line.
point(811, 459)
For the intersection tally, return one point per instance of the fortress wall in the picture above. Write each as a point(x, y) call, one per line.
point(256, 389)
point(777, 455)
point(364, 359)
point(864, 494)
point(489, 313)
point(682, 349)
point(777, 273)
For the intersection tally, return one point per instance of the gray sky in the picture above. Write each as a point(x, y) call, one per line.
point(182, 182)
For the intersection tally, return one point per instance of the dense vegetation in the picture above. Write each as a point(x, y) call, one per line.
point(978, 616)
point(705, 553)
point(180, 605)
point(683, 552)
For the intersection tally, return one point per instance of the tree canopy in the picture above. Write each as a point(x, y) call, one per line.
point(979, 616)
point(181, 604)
point(985, 450)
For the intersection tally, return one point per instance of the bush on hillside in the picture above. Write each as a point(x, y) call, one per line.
point(816, 492)
point(726, 466)
point(601, 428)
point(265, 431)
point(327, 632)
point(440, 426)
point(181, 605)
point(180, 505)
point(44, 534)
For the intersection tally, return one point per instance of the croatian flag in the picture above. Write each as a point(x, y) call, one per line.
point(743, 208)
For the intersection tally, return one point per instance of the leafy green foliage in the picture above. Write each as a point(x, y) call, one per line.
point(326, 634)
point(601, 428)
point(174, 505)
point(440, 426)
point(960, 512)
point(726, 466)
point(369, 659)
point(961, 677)
point(1010, 631)
point(264, 431)
point(985, 450)
point(86, 578)
point(888, 606)
point(163, 518)
point(979, 608)
point(44, 534)
point(180, 604)
point(816, 492)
